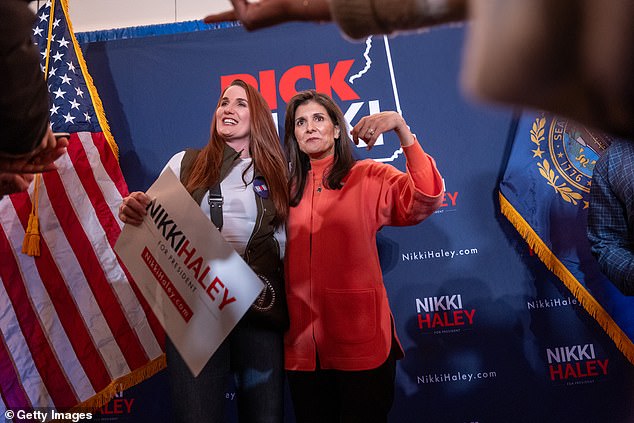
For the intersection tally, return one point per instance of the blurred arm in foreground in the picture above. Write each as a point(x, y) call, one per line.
point(574, 59)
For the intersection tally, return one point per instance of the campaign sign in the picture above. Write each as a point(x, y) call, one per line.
point(358, 76)
point(195, 282)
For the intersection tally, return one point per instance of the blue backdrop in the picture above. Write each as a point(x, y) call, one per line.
point(490, 334)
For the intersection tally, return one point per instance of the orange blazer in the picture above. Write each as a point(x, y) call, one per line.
point(337, 301)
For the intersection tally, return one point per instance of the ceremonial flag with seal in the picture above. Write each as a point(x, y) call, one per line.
point(74, 329)
point(545, 193)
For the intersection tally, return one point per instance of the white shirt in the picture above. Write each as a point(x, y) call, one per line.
point(239, 209)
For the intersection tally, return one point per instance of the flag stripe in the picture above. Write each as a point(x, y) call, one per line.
point(21, 360)
point(92, 143)
point(43, 356)
point(110, 162)
point(65, 306)
point(3, 406)
point(89, 262)
point(57, 335)
point(71, 272)
point(11, 388)
point(97, 193)
point(154, 324)
point(84, 168)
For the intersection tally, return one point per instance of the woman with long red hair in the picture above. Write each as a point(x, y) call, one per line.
point(242, 167)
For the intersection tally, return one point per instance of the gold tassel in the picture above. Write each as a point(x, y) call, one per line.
point(31, 243)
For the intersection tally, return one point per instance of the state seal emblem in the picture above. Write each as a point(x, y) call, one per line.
point(565, 153)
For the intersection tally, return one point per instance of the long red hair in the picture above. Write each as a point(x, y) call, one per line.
point(264, 149)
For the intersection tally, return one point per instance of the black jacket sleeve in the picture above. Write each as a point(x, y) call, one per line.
point(24, 103)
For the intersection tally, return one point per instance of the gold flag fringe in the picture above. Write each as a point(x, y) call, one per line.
point(49, 39)
point(592, 306)
point(96, 101)
point(120, 384)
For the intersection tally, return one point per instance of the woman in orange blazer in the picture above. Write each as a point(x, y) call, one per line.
point(341, 348)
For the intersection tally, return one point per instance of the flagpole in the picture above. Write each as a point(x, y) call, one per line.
point(31, 243)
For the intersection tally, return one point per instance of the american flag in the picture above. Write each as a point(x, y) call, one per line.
point(74, 329)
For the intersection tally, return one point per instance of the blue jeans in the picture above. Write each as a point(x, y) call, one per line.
point(255, 359)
